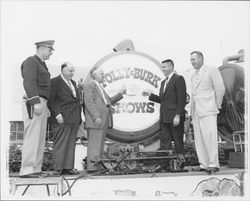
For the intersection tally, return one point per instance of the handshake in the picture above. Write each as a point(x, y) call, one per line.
point(123, 90)
point(133, 90)
point(147, 92)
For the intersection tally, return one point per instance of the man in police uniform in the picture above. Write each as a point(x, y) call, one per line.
point(36, 82)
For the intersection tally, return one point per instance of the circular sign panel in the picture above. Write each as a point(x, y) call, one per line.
point(135, 118)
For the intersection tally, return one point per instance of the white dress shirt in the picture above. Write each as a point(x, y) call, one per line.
point(101, 89)
point(69, 83)
point(71, 86)
point(167, 80)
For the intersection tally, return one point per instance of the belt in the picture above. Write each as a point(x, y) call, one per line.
point(42, 96)
point(25, 97)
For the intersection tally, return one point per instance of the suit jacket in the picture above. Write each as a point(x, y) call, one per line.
point(36, 79)
point(63, 101)
point(173, 100)
point(96, 107)
point(208, 94)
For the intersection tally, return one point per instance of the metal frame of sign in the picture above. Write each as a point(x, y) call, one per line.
point(136, 136)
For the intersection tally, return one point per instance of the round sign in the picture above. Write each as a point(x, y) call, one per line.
point(135, 118)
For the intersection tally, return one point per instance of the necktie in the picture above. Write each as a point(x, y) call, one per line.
point(104, 94)
point(165, 84)
point(72, 88)
point(196, 78)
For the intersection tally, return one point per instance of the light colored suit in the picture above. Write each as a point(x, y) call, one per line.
point(95, 107)
point(208, 93)
point(207, 96)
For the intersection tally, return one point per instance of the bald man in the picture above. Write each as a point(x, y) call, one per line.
point(98, 116)
point(65, 107)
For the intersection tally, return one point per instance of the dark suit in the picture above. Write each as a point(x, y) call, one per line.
point(62, 101)
point(95, 107)
point(173, 101)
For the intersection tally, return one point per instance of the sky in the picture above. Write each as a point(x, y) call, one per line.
point(86, 31)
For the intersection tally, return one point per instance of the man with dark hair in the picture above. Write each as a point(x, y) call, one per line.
point(172, 98)
point(65, 107)
point(98, 115)
point(207, 94)
point(36, 82)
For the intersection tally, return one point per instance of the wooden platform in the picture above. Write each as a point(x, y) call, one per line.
point(43, 181)
point(91, 186)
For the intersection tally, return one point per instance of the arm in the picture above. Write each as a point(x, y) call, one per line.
point(155, 98)
point(52, 103)
point(116, 98)
point(219, 87)
point(181, 95)
point(29, 73)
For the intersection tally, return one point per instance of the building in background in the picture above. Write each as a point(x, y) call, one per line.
point(15, 116)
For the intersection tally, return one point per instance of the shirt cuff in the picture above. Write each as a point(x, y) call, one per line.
point(34, 100)
point(59, 115)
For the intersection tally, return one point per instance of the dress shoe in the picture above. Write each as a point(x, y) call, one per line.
point(92, 171)
point(57, 172)
point(212, 170)
point(156, 169)
point(44, 174)
point(182, 161)
point(35, 175)
point(198, 169)
point(32, 175)
point(70, 172)
point(161, 149)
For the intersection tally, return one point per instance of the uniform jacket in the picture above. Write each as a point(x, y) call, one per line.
point(173, 100)
point(36, 79)
point(95, 106)
point(208, 94)
point(63, 101)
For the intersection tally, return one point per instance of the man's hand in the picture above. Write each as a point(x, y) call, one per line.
point(176, 121)
point(59, 119)
point(112, 110)
point(123, 89)
point(98, 122)
point(80, 84)
point(38, 109)
point(147, 92)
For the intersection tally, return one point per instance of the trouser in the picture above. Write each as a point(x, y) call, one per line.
point(206, 141)
point(64, 143)
point(169, 133)
point(95, 150)
point(34, 139)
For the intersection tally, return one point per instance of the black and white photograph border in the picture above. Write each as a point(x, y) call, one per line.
point(115, 35)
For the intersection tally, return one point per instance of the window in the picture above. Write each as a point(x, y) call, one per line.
point(16, 132)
